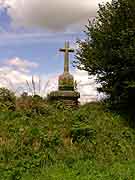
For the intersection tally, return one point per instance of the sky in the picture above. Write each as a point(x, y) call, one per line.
point(31, 33)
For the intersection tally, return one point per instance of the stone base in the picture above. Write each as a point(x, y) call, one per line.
point(69, 98)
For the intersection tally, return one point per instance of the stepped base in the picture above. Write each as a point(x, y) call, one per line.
point(69, 98)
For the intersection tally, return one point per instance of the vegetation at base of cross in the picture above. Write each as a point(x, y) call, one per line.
point(51, 141)
point(109, 53)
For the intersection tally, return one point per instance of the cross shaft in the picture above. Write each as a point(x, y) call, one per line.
point(66, 51)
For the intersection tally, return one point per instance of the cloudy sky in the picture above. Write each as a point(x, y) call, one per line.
point(32, 31)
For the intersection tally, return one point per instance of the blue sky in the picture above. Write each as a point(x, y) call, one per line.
point(33, 31)
point(41, 49)
point(36, 45)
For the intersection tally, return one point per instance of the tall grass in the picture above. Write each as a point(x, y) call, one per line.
point(36, 86)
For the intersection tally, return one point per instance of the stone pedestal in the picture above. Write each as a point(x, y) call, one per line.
point(69, 98)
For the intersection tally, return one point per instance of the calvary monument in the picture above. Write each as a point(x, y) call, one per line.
point(66, 86)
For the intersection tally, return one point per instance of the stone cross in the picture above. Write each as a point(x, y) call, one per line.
point(66, 50)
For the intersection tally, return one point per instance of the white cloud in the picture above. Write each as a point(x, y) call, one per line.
point(86, 86)
point(12, 78)
point(16, 75)
point(51, 14)
point(2, 2)
point(20, 64)
point(15, 72)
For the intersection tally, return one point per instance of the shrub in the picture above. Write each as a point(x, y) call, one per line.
point(7, 99)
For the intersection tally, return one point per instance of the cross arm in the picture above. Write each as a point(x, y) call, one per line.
point(64, 50)
point(71, 50)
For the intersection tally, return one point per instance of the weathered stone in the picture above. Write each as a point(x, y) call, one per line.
point(66, 82)
point(67, 97)
point(66, 86)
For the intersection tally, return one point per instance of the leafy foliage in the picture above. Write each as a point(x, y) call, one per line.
point(7, 99)
point(109, 52)
point(32, 104)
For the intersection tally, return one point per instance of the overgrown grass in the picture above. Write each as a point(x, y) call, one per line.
point(86, 170)
point(59, 143)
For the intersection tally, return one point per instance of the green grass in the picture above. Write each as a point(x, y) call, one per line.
point(86, 170)
point(62, 144)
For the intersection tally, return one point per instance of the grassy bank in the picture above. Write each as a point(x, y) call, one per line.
point(61, 144)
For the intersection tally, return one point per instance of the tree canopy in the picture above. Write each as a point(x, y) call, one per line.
point(109, 51)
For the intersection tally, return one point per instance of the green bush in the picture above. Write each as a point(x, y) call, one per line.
point(7, 99)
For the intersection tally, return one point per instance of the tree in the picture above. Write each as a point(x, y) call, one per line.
point(108, 52)
point(7, 99)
